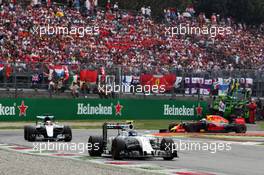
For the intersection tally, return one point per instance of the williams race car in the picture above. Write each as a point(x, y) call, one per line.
point(46, 129)
point(128, 144)
point(213, 124)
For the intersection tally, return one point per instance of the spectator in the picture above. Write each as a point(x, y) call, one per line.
point(77, 4)
point(148, 11)
point(143, 10)
point(116, 7)
point(85, 89)
point(259, 113)
point(75, 90)
point(60, 86)
point(51, 87)
point(108, 5)
point(70, 3)
point(252, 111)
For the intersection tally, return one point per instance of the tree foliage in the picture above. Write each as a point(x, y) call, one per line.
point(246, 11)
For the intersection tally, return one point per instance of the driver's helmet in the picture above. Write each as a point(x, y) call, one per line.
point(132, 133)
point(47, 121)
point(203, 120)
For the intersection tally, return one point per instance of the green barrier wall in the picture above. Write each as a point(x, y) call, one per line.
point(98, 109)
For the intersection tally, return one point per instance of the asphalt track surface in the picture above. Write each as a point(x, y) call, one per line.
point(242, 159)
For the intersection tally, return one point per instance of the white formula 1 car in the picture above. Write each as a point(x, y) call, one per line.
point(128, 144)
point(46, 129)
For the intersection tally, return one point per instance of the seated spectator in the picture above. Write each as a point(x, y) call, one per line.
point(75, 90)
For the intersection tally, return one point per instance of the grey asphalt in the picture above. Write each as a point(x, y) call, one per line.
point(242, 159)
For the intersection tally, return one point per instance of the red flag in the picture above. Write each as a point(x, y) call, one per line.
point(162, 81)
point(88, 76)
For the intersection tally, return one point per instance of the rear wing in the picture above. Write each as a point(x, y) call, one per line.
point(128, 125)
point(42, 117)
point(123, 126)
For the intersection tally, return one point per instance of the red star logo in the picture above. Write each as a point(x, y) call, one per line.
point(199, 110)
point(118, 109)
point(22, 109)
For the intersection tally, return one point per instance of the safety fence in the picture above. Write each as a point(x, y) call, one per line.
point(181, 81)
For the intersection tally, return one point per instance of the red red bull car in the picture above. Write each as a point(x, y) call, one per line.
point(212, 123)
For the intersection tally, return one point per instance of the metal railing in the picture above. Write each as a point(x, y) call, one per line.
point(21, 76)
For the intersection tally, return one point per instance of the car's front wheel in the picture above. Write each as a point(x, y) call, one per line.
point(167, 145)
point(31, 133)
point(67, 134)
point(96, 146)
point(118, 146)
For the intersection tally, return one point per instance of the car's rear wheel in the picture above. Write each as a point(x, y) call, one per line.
point(97, 146)
point(167, 145)
point(26, 132)
point(67, 134)
point(31, 133)
point(241, 129)
point(118, 146)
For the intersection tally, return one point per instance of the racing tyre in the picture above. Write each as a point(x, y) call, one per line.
point(97, 146)
point(167, 145)
point(241, 129)
point(26, 132)
point(189, 128)
point(117, 147)
point(67, 134)
point(31, 133)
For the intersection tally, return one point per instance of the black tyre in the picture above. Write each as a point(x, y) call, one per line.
point(118, 146)
point(31, 133)
point(26, 132)
point(167, 145)
point(67, 134)
point(241, 129)
point(97, 146)
point(189, 128)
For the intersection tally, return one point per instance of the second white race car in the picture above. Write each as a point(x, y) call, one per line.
point(129, 144)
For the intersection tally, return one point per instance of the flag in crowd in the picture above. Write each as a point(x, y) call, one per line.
point(59, 71)
point(88, 76)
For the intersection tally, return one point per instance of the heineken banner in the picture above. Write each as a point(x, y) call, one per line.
point(98, 109)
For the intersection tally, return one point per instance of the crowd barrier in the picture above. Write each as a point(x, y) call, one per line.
point(97, 109)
